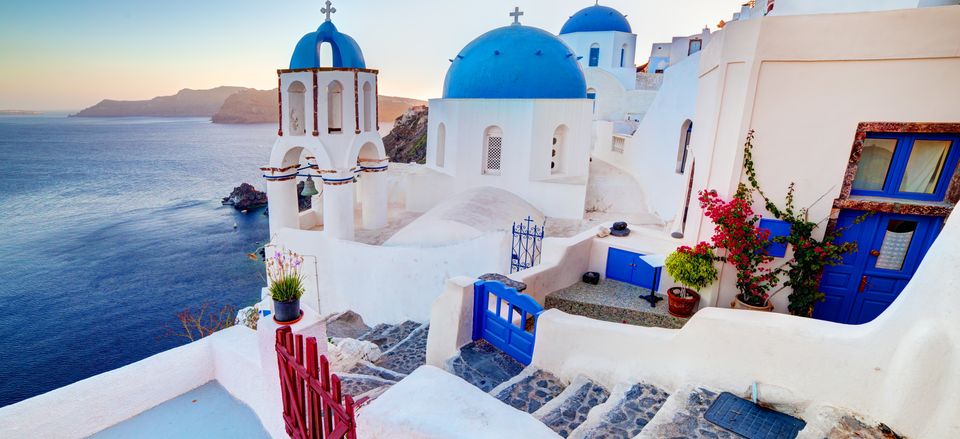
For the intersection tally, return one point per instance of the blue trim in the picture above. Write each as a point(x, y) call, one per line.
point(337, 180)
point(777, 229)
point(898, 167)
point(502, 332)
point(374, 168)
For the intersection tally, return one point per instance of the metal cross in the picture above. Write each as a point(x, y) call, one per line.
point(516, 16)
point(328, 10)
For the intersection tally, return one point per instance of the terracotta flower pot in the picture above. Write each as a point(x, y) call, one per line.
point(739, 304)
point(682, 307)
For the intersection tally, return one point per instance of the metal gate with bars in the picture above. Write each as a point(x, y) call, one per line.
point(527, 242)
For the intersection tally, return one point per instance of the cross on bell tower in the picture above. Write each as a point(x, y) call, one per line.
point(516, 14)
point(328, 10)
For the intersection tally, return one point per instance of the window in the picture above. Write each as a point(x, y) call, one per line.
point(623, 55)
point(592, 94)
point(368, 99)
point(695, 46)
point(686, 131)
point(594, 55)
point(556, 150)
point(296, 102)
point(441, 144)
point(617, 145)
point(915, 166)
point(335, 107)
point(492, 150)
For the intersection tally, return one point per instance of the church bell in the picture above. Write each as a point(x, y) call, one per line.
point(309, 188)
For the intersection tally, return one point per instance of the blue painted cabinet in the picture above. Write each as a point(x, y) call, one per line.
point(626, 266)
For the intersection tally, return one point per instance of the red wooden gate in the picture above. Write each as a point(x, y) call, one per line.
point(313, 407)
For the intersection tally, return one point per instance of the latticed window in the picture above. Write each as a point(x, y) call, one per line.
point(493, 151)
point(617, 145)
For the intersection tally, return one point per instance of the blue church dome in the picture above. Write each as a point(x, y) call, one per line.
point(515, 62)
point(346, 51)
point(597, 19)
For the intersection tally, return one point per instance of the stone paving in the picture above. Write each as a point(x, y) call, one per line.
point(631, 414)
point(406, 354)
point(370, 369)
point(387, 336)
point(850, 427)
point(346, 325)
point(356, 385)
point(688, 420)
point(575, 404)
point(484, 366)
point(532, 392)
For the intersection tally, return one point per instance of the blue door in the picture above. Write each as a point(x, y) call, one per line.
point(866, 282)
point(626, 266)
point(505, 318)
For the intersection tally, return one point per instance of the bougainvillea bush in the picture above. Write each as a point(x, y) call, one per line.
point(736, 232)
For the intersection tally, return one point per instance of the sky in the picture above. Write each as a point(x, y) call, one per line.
point(67, 55)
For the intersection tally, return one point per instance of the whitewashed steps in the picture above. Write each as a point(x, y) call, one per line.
point(625, 414)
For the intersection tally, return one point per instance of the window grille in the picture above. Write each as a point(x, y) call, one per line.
point(617, 145)
point(494, 152)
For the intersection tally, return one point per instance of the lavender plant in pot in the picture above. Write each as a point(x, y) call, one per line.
point(693, 269)
point(286, 285)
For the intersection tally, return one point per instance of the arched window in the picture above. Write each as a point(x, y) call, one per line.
point(594, 55)
point(441, 144)
point(557, 150)
point(368, 100)
point(492, 150)
point(296, 102)
point(623, 56)
point(335, 107)
point(686, 131)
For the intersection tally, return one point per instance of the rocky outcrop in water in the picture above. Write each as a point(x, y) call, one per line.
point(245, 197)
point(407, 142)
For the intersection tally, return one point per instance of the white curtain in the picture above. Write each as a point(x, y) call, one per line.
point(924, 166)
point(874, 163)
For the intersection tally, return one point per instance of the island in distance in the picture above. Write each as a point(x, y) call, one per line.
point(229, 105)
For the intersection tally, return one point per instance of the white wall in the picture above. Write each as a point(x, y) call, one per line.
point(650, 155)
point(96, 403)
point(387, 284)
point(528, 127)
point(804, 83)
point(798, 7)
point(610, 44)
point(613, 101)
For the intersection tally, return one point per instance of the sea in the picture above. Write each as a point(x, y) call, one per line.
point(111, 226)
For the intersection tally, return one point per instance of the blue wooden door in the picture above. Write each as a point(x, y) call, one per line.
point(890, 247)
point(500, 316)
point(625, 266)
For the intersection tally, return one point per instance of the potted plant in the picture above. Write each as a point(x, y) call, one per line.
point(745, 244)
point(693, 269)
point(286, 285)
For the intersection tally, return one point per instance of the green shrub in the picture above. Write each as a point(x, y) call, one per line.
point(692, 267)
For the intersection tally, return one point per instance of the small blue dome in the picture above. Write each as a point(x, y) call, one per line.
point(515, 62)
point(346, 51)
point(597, 19)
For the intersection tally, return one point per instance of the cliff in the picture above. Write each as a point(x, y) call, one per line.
point(260, 106)
point(186, 103)
point(407, 142)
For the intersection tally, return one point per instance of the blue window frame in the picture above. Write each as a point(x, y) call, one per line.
point(623, 56)
point(907, 166)
point(591, 95)
point(594, 56)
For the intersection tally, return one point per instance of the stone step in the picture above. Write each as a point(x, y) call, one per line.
point(368, 368)
point(407, 354)
point(682, 416)
point(625, 414)
point(355, 385)
point(346, 325)
point(568, 410)
point(387, 336)
point(530, 390)
point(484, 366)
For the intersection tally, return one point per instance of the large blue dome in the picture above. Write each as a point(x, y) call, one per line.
point(597, 19)
point(515, 62)
point(346, 51)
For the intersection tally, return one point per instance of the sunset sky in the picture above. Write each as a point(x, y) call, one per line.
point(66, 55)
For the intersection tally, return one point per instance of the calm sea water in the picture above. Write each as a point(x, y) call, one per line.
point(108, 228)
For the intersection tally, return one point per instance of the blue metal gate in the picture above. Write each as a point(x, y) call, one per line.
point(527, 241)
point(504, 322)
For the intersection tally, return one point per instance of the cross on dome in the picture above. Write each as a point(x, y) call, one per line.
point(328, 10)
point(516, 14)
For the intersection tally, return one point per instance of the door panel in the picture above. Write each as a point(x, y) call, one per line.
point(619, 265)
point(890, 247)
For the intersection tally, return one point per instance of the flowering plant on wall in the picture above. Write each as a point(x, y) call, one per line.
point(810, 255)
point(736, 232)
point(284, 274)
